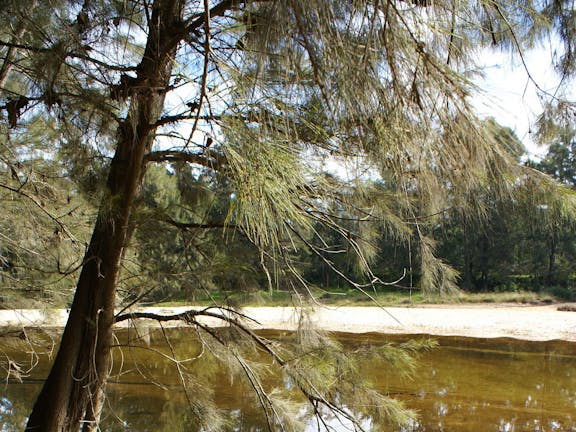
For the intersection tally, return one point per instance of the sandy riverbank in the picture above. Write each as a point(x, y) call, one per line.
point(536, 323)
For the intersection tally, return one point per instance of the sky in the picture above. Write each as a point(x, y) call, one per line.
point(511, 97)
point(508, 95)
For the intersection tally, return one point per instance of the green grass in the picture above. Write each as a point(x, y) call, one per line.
point(356, 298)
point(418, 298)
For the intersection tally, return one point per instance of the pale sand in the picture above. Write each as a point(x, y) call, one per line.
point(537, 323)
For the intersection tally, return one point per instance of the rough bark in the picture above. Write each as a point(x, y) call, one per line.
point(71, 398)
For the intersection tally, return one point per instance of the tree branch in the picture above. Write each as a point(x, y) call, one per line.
point(233, 318)
point(192, 225)
point(207, 50)
point(209, 159)
point(190, 316)
point(187, 116)
point(73, 54)
point(40, 206)
point(200, 19)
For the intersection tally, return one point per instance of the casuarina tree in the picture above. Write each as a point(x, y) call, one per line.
point(264, 93)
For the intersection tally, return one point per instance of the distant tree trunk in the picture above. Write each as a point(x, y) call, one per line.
point(73, 394)
point(552, 246)
point(484, 263)
point(468, 268)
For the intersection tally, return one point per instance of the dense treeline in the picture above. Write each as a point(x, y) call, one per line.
point(514, 246)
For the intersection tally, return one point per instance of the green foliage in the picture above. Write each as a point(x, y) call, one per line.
point(44, 222)
point(179, 229)
point(560, 160)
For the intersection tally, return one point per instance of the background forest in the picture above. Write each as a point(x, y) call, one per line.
point(515, 246)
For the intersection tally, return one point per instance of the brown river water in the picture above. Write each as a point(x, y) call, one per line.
point(463, 384)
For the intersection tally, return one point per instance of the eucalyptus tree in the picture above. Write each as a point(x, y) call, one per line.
point(261, 92)
point(556, 129)
point(560, 159)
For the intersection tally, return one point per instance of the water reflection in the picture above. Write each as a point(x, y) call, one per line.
point(463, 385)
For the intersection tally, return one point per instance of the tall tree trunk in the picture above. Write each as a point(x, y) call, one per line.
point(73, 394)
point(552, 246)
point(484, 263)
point(468, 267)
